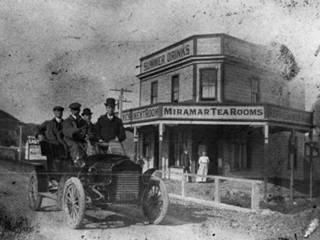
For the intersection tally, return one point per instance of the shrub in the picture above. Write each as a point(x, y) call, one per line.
point(13, 223)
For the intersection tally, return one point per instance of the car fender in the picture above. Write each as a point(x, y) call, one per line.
point(147, 175)
point(42, 178)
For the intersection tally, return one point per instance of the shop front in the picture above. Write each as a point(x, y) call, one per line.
point(236, 138)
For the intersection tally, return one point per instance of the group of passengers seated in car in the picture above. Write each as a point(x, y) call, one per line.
point(77, 133)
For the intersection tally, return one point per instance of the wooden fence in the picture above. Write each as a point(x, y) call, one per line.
point(255, 185)
point(10, 153)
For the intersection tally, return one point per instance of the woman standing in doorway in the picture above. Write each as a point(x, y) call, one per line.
point(203, 167)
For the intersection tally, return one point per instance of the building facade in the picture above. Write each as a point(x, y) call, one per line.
point(223, 95)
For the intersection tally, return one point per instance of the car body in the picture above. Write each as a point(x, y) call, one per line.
point(109, 177)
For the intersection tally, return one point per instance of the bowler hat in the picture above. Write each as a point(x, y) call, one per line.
point(86, 111)
point(58, 108)
point(110, 102)
point(75, 105)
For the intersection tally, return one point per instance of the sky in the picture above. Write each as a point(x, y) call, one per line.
point(55, 52)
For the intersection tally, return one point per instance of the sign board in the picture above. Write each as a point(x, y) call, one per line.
point(8, 153)
point(140, 114)
point(167, 56)
point(288, 115)
point(33, 149)
point(214, 112)
point(219, 112)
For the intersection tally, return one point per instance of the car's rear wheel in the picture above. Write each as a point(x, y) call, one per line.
point(155, 201)
point(73, 203)
point(35, 199)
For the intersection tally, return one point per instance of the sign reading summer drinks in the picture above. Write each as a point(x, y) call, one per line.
point(168, 56)
point(214, 113)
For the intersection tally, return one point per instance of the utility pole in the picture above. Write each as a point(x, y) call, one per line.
point(121, 100)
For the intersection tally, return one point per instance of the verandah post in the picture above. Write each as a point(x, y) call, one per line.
point(255, 196)
point(217, 190)
point(161, 167)
point(311, 165)
point(183, 185)
point(292, 149)
point(265, 160)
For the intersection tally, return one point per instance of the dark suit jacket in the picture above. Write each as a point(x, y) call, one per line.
point(71, 130)
point(185, 160)
point(92, 132)
point(50, 130)
point(108, 130)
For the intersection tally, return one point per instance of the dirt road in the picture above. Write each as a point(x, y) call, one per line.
point(121, 224)
point(183, 221)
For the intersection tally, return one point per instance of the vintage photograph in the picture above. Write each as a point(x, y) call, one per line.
point(159, 120)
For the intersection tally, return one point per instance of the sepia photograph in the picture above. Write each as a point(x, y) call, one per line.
point(159, 120)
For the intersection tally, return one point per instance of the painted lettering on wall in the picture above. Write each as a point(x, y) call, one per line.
point(288, 115)
point(7, 153)
point(180, 52)
point(245, 112)
point(167, 57)
point(33, 149)
point(147, 113)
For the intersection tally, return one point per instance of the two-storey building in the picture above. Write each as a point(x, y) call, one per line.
point(226, 96)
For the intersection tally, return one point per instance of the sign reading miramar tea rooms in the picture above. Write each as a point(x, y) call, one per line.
point(196, 113)
point(225, 113)
point(214, 113)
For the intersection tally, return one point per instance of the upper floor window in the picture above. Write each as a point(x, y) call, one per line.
point(154, 92)
point(208, 83)
point(175, 89)
point(254, 90)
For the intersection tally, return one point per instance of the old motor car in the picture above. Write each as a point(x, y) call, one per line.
point(110, 177)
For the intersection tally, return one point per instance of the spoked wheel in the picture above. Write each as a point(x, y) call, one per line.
point(73, 203)
point(35, 199)
point(155, 201)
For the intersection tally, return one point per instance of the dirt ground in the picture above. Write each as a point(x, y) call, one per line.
point(184, 220)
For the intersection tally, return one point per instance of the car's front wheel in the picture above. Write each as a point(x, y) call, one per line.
point(73, 203)
point(155, 201)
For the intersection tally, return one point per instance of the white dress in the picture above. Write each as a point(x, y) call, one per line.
point(203, 168)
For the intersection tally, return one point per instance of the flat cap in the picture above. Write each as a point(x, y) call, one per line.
point(75, 105)
point(58, 108)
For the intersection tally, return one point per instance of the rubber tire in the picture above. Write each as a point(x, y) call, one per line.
point(61, 185)
point(76, 184)
point(159, 184)
point(34, 198)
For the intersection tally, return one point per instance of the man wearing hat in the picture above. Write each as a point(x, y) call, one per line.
point(110, 127)
point(47, 134)
point(185, 161)
point(92, 146)
point(91, 131)
point(74, 129)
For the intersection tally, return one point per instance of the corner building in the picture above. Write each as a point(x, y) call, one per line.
point(229, 97)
